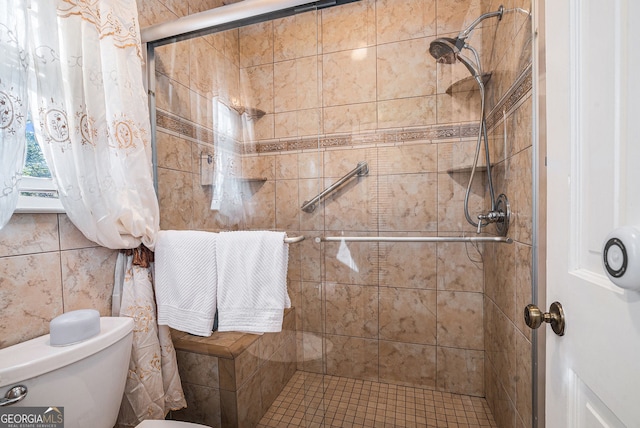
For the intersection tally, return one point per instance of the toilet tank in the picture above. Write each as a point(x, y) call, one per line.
point(86, 378)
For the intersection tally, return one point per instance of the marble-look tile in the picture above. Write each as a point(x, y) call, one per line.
point(312, 355)
point(175, 199)
point(247, 364)
point(256, 85)
point(349, 118)
point(520, 128)
point(172, 60)
point(459, 107)
point(456, 271)
point(173, 152)
point(408, 315)
point(349, 26)
point(311, 256)
point(408, 159)
point(353, 206)
point(311, 164)
point(460, 155)
point(460, 320)
point(461, 371)
point(287, 205)
point(451, 192)
point(228, 408)
point(151, 12)
point(351, 310)
point(259, 167)
point(259, 206)
point(505, 354)
point(404, 112)
point(198, 369)
point(29, 233)
point(404, 20)
point(296, 84)
point(206, 67)
point(405, 69)
point(309, 122)
point(202, 110)
point(408, 202)
point(455, 15)
point(312, 312)
point(351, 262)
point(296, 36)
point(256, 44)
point(272, 379)
point(524, 260)
point(524, 380)
point(250, 403)
point(173, 97)
point(203, 405)
point(87, 279)
point(70, 236)
point(30, 292)
point(287, 166)
point(520, 195)
point(285, 124)
point(408, 265)
point(408, 364)
point(285, 85)
point(349, 77)
point(505, 291)
point(352, 357)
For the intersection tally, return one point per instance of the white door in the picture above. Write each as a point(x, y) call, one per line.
point(593, 186)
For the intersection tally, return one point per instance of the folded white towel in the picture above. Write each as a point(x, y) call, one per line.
point(252, 281)
point(186, 281)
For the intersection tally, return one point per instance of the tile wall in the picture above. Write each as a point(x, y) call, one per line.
point(508, 278)
point(350, 83)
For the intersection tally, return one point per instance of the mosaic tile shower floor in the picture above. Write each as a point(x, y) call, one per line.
point(357, 403)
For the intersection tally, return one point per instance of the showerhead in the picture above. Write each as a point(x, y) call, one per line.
point(445, 49)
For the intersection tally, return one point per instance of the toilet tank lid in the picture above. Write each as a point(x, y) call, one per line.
point(35, 357)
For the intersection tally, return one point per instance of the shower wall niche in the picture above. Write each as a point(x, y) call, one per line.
point(346, 84)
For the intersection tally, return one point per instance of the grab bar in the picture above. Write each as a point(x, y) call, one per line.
point(360, 170)
point(503, 239)
point(294, 239)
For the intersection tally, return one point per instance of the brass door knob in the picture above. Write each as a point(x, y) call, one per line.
point(534, 317)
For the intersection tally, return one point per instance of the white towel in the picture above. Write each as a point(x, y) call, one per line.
point(186, 283)
point(252, 281)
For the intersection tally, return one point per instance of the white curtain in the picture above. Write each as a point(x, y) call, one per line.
point(89, 109)
point(153, 384)
point(91, 116)
point(13, 102)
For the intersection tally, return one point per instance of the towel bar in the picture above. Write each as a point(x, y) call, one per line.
point(502, 239)
point(294, 239)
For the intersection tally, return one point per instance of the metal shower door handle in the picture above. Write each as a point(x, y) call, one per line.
point(14, 395)
point(534, 317)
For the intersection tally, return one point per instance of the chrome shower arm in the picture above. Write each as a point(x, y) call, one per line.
point(464, 34)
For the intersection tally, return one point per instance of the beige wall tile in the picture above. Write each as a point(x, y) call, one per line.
point(285, 124)
point(524, 380)
point(87, 279)
point(352, 357)
point(349, 27)
point(408, 315)
point(353, 206)
point(454, 16)
point(351, 310)
point(408, 364)
point(287, 205)
point(296, 36)
point(286, 166)
point(30, 296)
point(524, 269)
point(408, 159)
point(459, 107)
point(408, 202)
point(409, 19)
point(451, 191)
point(256, 85)
point(350, 118)
point(172, 60)
point(408, 265)
point(29, 233)
point(407, 112)
point(198, 369)
point(312, 356)
point(349, 77)
point(153, 12)
point(285, 84)
point(460, 320)
point(405, 69)
point(351, 263)
point(70, 236)
point(173, 152)
point(339, 162)
point(256, 44)
point(259, 206)
point(461, 371)
point(314, 220)
point(259, 167)
point(203, 405)
point(175, 199)
point(456, 271)
point(173, 97)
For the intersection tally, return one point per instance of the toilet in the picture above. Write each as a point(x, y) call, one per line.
point(87, 378)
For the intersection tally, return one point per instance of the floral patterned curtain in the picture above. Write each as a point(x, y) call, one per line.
point(13, 102)
point(90, 113)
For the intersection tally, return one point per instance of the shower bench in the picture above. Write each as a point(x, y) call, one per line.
point(230, 379)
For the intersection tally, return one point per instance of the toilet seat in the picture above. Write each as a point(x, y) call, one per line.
point(168, 424)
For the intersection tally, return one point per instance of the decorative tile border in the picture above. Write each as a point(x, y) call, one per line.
point(201, 134)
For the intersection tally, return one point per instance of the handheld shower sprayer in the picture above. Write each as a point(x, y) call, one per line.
point(446, 50)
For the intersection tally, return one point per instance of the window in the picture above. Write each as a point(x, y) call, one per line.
point(38, 191)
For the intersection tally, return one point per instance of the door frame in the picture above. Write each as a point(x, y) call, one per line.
point(539, 215)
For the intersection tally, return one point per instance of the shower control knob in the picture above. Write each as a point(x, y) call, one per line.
point(534, 317)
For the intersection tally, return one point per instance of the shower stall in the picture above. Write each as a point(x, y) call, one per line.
point(258, 113)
